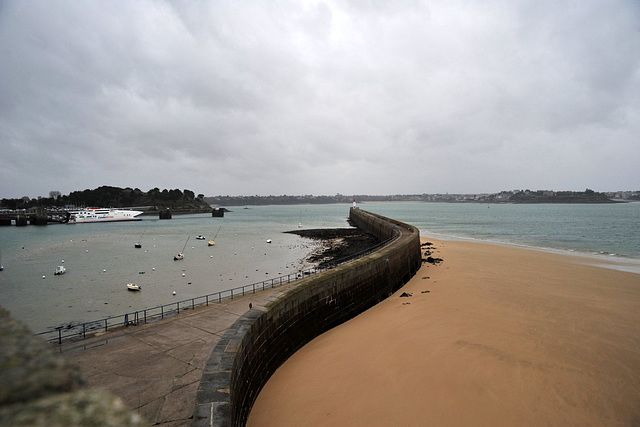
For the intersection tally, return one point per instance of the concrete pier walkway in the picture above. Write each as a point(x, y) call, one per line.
point(156, 368)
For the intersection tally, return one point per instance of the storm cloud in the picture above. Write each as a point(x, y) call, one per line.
point(319, 97)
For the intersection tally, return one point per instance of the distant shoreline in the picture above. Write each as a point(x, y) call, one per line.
point(515, 196)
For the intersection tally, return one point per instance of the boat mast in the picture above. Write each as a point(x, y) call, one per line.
point(185, 244)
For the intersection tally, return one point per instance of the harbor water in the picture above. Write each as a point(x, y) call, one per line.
point(101, 258)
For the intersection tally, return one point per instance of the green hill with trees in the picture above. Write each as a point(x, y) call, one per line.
point(115, 197)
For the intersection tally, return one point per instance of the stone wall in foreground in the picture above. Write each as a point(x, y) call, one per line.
point(262, 339)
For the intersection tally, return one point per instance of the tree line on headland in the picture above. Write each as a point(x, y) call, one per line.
point(107, 196)
point(156, 199)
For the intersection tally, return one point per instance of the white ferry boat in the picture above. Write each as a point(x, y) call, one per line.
point(102, 215)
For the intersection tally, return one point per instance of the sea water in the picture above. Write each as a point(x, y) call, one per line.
point(101, 259)
point(605, 229)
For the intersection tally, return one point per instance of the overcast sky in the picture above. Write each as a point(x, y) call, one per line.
point(319, 97)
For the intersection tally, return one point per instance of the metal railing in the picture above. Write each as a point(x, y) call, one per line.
point(79, 331)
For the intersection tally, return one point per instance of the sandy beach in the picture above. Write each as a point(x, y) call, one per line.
point(494, 335)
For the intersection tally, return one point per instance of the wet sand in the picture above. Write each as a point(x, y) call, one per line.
point(505, 336)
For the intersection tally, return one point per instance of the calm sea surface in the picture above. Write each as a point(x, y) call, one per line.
point(101, 258)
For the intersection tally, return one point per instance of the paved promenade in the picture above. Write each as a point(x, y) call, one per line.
point(156, 368)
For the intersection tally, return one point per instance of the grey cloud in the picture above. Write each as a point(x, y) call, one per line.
point(319, 97)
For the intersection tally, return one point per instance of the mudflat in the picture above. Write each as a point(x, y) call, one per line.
point(493, 335)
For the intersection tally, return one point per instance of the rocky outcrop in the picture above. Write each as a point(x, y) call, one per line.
point(40, 388)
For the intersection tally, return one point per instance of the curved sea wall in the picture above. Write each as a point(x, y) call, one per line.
point(265, 337)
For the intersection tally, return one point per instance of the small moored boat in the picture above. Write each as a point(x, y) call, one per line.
point(60, 270)
point(200, 237)
point(133, 287)
point(212, 241)
point(180, 255)
point(138, 244)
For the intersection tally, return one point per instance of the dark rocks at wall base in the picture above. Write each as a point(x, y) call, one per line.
point(337, 243)
point(40, 388)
